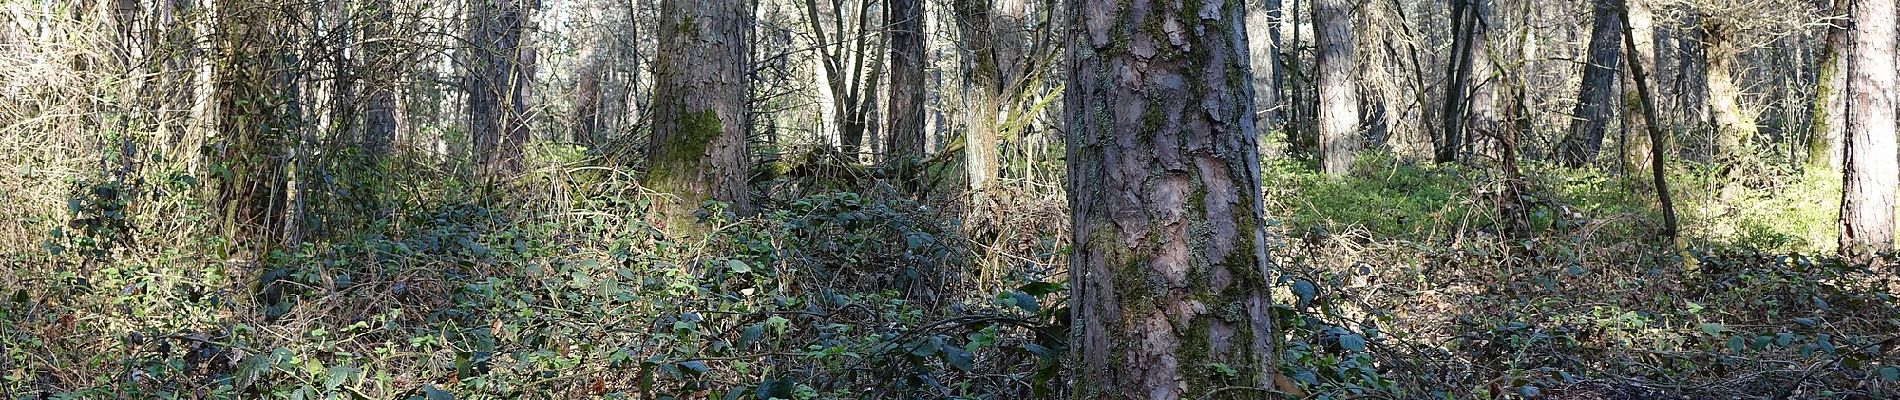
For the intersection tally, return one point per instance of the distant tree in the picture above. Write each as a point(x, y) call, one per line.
point(905, 140)
point(1338, 97)
point(502, 69)
point(698, 148)
point(1263, 43)
point(379, 128)
point(257, 117)
point(1596, 98)
point(1639, 25)
point(991, 32)
point(1867, 201)
point(1169, 263)
point(1827, 125)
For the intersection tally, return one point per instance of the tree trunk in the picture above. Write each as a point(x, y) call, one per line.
point(379, 126)
point(991, 29)
point(1263, 51)
point(698, 149)
point(254, 117)
point(1867, 200)
point(1641, 29)
point(1734, 127)
point(1827, 125)
point(497, 94)
point(1596, 99)
point(904, 141)
point(1170, 259)
point(1338, 99)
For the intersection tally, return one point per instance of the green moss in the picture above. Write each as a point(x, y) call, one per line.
point(680, 155)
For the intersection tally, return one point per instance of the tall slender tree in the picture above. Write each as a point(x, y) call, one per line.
point(1826, 124)
point(905, 137)
point(1867, 199)
point(256, 119)
point(502, 68)
point(1170, 260)
point(698, 148)
point(1339, 138)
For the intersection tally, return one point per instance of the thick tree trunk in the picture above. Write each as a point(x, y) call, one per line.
point(497, 94)
point(1827, 125)
point(1596, 99)
point(1338, 98)
point(698, 148)
point(904, 141)
point(1867, 200)
point(1170, 264)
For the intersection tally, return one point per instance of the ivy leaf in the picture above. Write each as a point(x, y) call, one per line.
point(1305, 292)
point(696, 366)
point(1712, 328)
point(959, 359)
point(738, 267)
point(431, 393)
point(1890, 374)
point(1353, 342)
point(1023, 301)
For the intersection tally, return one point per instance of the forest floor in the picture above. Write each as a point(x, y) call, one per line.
point(568, 284)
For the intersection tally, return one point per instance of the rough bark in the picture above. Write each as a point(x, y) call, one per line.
point(1338, 99)
point(904, 143)
point(1596, 98)
point(1169, 261)
point(1827, 123)
point(698, 148)
point(1457, 76)
point(1867, 199)
point(1657, 175)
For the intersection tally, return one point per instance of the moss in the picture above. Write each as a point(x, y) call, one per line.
point(680, 155)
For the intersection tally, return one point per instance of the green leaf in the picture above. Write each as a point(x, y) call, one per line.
point(1024, 301)
point(1890, 374)
point(1712, 328)
point(431, 393)
point(1040, 288)
point(738, 267)
point(1737, 344)
point(1352, 342)
point(696, 366)
point(1305, 292)
point(959, 359)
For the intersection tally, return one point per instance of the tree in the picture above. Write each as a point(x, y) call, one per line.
point(1640, 28)
point(1338, 99)
point(1263, 51)
point(991, 31)
point(1867, 193)
point(379, 128)
point(1826, 124)
point(1596, 99)
point(498, 91)
point(256, 117)
point(905, 140)
point(851, 77)
point(1170, 261)
point(698, 148)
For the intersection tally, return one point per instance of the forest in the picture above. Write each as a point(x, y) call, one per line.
point(949, 199)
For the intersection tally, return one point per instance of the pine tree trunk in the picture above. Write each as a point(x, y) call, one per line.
point(1867, 201)
point(698, 149)
point(1263, 51)
point(497, 94)
point(1338, 99)
point(1170, 265)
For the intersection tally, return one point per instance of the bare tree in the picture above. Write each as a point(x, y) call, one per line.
point(502, 70)
point(1596, 99)
point(1827, 125)
point(905, 140)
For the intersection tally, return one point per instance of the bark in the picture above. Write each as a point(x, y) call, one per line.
point(1827, 117)
point(846, 68)
point(1735, 127)
point(905, 136)
point(1170, 260)
point(992, 32)
point(698, 148)
point(1457, 75)
point(497, 94)
point(1641, 30)
point(1596, 99)
point(1867, 199)
point(1338, 100)
point(1481, 116)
